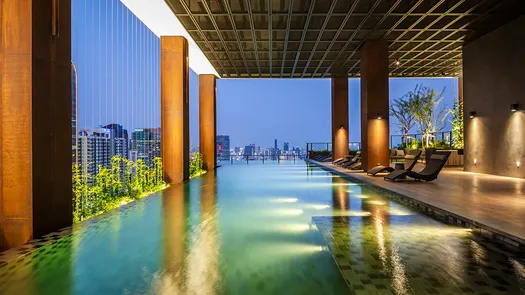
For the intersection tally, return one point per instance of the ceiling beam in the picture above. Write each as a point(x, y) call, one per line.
point(359, 14)
point(478, 18)
point(369, 33)
point(254, 36)
point(288, 22)
point(201, 33)
point(270, 33)
point(235, 33)
point(389, 31)
point(306, 24)
point(374, 6)
point(423, 30)
point(319, 35)
point(338, 32)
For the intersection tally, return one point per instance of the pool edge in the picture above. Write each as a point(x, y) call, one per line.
point(434, 212)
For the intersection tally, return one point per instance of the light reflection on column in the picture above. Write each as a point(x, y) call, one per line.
point(339, 194)
point(390, 259)
point(174, 208)
point(203, 258)
point(340, 203)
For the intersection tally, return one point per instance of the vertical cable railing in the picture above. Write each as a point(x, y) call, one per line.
point(117, 83)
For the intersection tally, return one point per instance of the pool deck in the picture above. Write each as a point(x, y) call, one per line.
point(493, 204)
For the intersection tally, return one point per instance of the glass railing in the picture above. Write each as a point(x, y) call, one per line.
point(442, 139)
point(246, 159)
point(326, 147)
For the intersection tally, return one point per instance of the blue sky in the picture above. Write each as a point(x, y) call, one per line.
point(118, 63)
point(294, 110)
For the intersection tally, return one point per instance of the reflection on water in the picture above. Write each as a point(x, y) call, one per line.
point(266, 229)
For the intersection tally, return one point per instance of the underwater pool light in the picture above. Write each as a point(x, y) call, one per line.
point(288, 212)
point(375, 202)
point(284, 200)
point(318, 206)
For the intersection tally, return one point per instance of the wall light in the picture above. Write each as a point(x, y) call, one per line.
point(518, 164)
point(342, 126)
point(397, 62)
point(475, 161)
point(472, 114)
point(514, 107)
point(378, 116)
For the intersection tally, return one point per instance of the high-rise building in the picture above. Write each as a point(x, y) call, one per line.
point(94, 150)
point(119, 140)
point(74, 113)
point(223, 147)
point(275, 144)
point(146, 142)
point(237, 150)
point(286, 146)
point(249, 150)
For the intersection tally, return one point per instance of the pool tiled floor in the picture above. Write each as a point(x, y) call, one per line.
point(381, 254)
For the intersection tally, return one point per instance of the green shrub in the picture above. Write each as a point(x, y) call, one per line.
point(111, 187)
point(196, 165)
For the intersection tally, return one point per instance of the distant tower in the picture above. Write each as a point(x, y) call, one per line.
point(275, 144)
point(223, 147)
point(146, 142)
point(74, 113)
point(94, 150)
point(286, 146)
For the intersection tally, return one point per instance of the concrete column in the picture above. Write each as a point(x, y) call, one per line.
point(174, 106)
point(374, 104)
point(35, 125)
point(339, 117)
point(207, 121)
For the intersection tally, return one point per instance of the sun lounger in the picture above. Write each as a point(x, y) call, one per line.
point(410, 161)
point(430, 172)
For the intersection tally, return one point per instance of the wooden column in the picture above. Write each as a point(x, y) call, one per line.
point(374, 104)
point(174, 106)
point(207, 121)
point(339, 117)
point(35, 126)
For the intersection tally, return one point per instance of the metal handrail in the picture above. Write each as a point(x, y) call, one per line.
point(262, 158)
point(327, 146)
point(440, 136)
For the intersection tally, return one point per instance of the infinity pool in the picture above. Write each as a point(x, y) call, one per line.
point(266, 229)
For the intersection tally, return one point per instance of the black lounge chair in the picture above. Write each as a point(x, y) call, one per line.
point(339, 160)
point(430, 172)
point(410, 161)
point(353, 164)
point(350, 161)
point(320, 158)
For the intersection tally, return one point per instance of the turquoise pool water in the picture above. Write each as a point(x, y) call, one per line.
point(266, 229)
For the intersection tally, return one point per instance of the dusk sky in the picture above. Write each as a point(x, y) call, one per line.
point(118, 63)
point(294, 110)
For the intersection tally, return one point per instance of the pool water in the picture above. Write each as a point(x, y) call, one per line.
point(273, 228)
